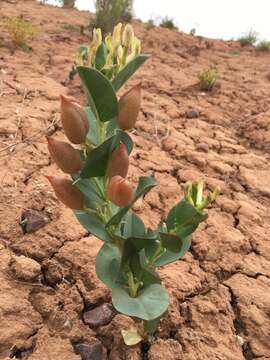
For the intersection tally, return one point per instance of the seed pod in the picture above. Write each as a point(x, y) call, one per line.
point(119, 191)
point(129, 107)
point(71, 196)
point(74, 120)
point(119, 162)
point(65, 156)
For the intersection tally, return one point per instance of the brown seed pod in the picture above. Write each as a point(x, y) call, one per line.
point(120, 191)
point(119, 162)
point(129, 107)
point(71, 196)
point(65, 156)
point(74, 120)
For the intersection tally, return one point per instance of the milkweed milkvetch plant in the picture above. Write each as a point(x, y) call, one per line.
point(102, 197)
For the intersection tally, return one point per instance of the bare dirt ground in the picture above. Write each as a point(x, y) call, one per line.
point(220, 291)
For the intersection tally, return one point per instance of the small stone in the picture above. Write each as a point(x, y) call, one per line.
point(90, 350)
point(25, 268)
point(99, 316)
point(33, 220)
point(192, 114)
point(202, 147)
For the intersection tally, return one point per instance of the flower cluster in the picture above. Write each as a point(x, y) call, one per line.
point(121, 48)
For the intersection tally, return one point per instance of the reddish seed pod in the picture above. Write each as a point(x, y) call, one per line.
point(71, 196)
point(129, 107)
point(120, 191)
point(65, 156)
point(74, 120)
point(119, 162)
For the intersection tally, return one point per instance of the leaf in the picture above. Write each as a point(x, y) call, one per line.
point(93, 134)
point(129, 70)
point(146, 183)
point(101, 55)
point(151, 302)
point(108, 264)
point(97, 160)
point(93, 224)
point(150, 326)
point(169, 256)
point(91, 192)
point(183, 219)
point(134, 226)
point(171, 242)
point(101, 94)
point(131, 337)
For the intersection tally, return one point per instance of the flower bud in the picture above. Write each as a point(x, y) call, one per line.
point(74, 120)
point(120, 191)
point(129, 107)
point(116, 36)
point(128, 35)
point(71, 196)
point(65, 156)
point(97, 37)
point(119, 162)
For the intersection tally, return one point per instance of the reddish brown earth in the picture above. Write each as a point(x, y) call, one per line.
point(220, 291)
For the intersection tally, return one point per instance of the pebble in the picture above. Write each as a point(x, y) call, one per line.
point(90, 350)
point(33, 220)
point(99, 316)
point(192, 114)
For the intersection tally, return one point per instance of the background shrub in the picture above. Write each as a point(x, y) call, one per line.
point(208, 78)
point(20, 30)
point(111, 12)
point(263, 45)
point(249, 38)
point(168, 23)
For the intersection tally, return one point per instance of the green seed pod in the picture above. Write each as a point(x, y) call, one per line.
point(119, 162)
point(120, 191)
point(71, 196)
point(65, 156)
point(129, 107)
point(74, 120)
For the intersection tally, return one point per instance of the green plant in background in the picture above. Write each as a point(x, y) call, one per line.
point(263, 46)
point(110, 12)
point(20, 30)
point(112, 55)
point(249, 38)
point(208, 78)
point(102, 197)
point(168, 23)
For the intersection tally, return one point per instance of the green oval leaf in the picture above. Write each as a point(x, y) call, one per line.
point(93, 133)
point(101, 95)
point(129, 70)
point(183, 219)
point(97, 160)
point(93, 224)
point(170, 256)
point(101, 55)
point(108, 263)
point(171, 242)
point(151, 302)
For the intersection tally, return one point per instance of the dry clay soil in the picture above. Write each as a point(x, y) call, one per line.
point(220, 291)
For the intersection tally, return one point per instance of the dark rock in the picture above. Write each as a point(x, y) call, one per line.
point(192, 114)
point(202, 147)
point(33, 220)
point(99, 316)
point(89, 350)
